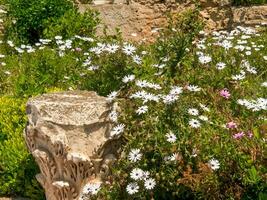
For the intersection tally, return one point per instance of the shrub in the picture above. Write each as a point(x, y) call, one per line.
point(72, 23)
point(34, 73)
point(177, 127)
point(17, 167)
point(26, 19)
point(177, 37)
point(56, 65)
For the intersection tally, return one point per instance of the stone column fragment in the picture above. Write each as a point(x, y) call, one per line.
point(68, 135)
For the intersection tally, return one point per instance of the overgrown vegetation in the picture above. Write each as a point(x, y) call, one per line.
point(17, 167)
point(29, 20)
point(193, 106)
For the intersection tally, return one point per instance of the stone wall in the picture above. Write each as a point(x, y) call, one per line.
point(139, 20)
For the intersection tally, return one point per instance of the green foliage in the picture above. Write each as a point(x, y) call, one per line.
point(242, 171)
point(26, 19)
point(17, 167)
point(181, 31)
point(72, 23)
point(247, 2)
point(47, 70)
point(100, 64)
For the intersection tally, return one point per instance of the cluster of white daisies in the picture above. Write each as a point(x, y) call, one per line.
point(144, 88)
point(147, 91)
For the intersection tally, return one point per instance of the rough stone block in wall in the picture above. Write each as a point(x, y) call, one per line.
point(138, 20)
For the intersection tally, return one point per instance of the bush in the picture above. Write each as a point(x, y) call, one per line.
point(47, 70)
point(52, 65)
point(26, 19)
point(177, 37)
point(17, 167)
point(72, 23)
point(189, 132)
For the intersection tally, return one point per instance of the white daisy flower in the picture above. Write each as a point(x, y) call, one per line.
point(203, 118)
point(91, 188)
point(176, 90)
point(159, 66)
point(172, 158)
point(205, 108)
point(150, 97)
point(214, 164)
point(264, 84)
point(136, 174)
point(112, 48)
point(137, 59)
point(117, 130)
point(112, 96)
point(141, 84)
point(238, 77)
point(113, 116)
point(132, 188)
point(10, 43)
point(58, 37)
point(169, 99)
point(193, 88)
point(226, 44)
point(93, 68)
point(144, 83)
point(139, 94)
point(154, 86)
point(150, 183)
point(171, 137)
point(128, 78)
point(239, 47)
point(251, 70)
point(144, 52)
point(146, 175)
point(142, 110)
point(193, 111)
point(129, 49)
point(220, 65)
point(135, 155)
point(194, 123)
point(7, 72)
point(194, 153)
point(204, 59)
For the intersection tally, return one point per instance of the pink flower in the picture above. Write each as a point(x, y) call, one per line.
point(231, 125)
point(250, 134)
point(78, 49)
point(225, 93)
point(238, 135)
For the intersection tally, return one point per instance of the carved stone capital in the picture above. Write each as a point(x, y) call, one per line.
point(68, 135)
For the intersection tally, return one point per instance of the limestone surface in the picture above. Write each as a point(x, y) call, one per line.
point(68, 135)
point(139, 20)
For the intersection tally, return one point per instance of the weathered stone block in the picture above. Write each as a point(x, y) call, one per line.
point(68, 135)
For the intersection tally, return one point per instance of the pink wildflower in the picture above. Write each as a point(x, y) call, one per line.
point(231, 125)
point(250, 134)
point(238, 135)
point(225, 93)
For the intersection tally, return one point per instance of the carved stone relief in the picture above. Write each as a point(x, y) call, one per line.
point(68, 135)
